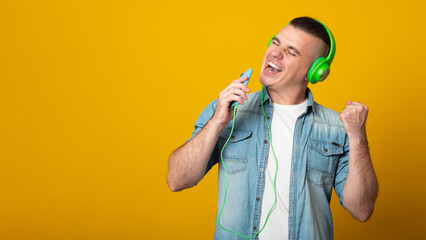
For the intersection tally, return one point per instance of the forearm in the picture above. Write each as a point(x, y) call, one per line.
point(187, 164)
point(361, 187)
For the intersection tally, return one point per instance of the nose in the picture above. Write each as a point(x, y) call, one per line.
point(277, 52)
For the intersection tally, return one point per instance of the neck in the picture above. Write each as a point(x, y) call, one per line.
point(288, 96)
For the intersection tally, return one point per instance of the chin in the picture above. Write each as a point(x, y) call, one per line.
point(265, 80)
point(262, 81)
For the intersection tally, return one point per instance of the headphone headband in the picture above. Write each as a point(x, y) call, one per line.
point(332, 51)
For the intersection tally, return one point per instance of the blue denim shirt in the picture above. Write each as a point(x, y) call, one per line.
point(319, 163)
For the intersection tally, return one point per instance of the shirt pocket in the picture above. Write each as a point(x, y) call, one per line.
point(235, 154)
point(322, 161)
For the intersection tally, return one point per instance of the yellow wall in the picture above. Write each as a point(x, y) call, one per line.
point(95, 95)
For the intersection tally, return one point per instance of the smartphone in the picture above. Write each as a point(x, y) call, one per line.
point(248, 74)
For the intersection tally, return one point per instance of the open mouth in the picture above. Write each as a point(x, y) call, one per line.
point(273, 67)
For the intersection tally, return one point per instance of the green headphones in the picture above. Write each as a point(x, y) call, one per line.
point(320, 69)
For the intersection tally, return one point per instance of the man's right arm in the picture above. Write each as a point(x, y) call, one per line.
point(188, 163)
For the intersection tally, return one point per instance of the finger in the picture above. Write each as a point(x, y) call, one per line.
point(360, 105)
point(357, 103)
point(239, 86)
point(350, 108)
point(347, 109)
point(236, 93)
point(240, 93)
point(353, 106)
point(341, 117)
point(241, 80)
point(347, 113)
point(349, 102)
point(356, 108)
point(237, 99)
point(230, 95)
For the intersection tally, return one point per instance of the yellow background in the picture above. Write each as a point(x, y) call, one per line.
point(95, 95)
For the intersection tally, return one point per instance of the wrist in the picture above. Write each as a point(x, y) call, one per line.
point(216, 124)
point(359, 137)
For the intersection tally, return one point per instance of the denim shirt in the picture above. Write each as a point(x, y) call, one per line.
point(319, 162)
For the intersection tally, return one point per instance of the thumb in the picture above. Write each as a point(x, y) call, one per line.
point(349, 102)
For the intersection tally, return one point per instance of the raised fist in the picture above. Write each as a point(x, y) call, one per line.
point(353, 118)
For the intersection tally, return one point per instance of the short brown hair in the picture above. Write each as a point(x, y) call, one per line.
point(312, 26)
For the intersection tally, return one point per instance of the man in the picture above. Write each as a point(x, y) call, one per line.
point(316, 149)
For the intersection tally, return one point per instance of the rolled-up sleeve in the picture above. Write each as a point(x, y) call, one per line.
point(202, 120)
point(342, 171)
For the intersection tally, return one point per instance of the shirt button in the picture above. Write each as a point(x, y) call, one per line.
point(291, 205)
point(268, 118)
point(232, 136)
point(257, 199)
point(325, 150)
point(255, 228)
point(265, 141)
point(261, 169)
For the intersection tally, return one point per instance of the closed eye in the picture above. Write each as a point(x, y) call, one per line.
point(276, 41)
point(292, 53)
point(291, 49)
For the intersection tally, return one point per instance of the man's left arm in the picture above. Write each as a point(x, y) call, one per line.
point(361, 187)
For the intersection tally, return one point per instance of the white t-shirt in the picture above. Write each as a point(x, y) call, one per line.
point(282, 128)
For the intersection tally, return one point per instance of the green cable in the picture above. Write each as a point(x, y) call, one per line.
point(226, 173)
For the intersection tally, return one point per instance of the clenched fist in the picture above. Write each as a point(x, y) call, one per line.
point(353, 118)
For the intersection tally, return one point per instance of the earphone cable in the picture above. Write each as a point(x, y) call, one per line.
point(226, 174)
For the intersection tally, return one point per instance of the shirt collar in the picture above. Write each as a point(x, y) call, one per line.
point(310, 104)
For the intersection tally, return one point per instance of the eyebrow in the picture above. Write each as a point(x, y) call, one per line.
point(290, 47)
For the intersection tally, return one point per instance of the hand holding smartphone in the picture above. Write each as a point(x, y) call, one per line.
point(248, 74)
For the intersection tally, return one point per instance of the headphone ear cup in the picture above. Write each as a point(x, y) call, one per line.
point(318, 71)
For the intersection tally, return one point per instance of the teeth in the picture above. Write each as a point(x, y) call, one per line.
point(274, 66)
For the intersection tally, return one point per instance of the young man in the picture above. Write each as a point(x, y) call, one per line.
point(316, 148)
